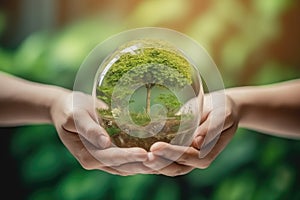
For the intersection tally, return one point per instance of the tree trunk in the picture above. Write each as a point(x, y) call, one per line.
point(148, 98)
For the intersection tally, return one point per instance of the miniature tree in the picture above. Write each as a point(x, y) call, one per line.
point(161, 67)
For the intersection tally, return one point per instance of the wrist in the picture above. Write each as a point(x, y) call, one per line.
point(249, 102)
point(238, 102)
point(56, 96)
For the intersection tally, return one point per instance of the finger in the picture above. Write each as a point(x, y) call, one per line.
point(135, 168)
point(91, 130)
point(187, 156)
point(74, 144)
point(166, 167)
point(207, 147)
point(207, 107)
point(204, 124)
point(81, 118)
point(162, 149)
point(214, 106)
point(82, 154)
point(88, 103)
point(218, 121)
point(156, 162)
point(222, 142)
point(190, 156)
point(112, 171)
point(88, 162)
point(213, 125)
point(100, 104)
point(175, 170)
point(201, 134)
point(207, 135)
point(116, 156)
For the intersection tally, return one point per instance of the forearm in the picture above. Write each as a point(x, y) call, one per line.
point(272, 109)
point(24, 102)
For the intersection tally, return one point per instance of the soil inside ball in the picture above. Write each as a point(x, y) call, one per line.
point(121, 138)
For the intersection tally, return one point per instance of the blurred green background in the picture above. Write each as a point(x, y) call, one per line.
point(251, 41)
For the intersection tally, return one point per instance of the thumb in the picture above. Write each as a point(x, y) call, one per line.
point(91, 130)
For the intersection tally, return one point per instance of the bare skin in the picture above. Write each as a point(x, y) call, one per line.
point(271, 109)
point(24, 102)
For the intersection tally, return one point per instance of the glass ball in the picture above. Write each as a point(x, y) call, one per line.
point(152, 92)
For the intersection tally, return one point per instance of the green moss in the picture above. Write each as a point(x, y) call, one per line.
point(113, 130)
point(141, 118)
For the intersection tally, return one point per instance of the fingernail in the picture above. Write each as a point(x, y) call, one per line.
point(199, 141)
point(150, 156)
point(104, 142)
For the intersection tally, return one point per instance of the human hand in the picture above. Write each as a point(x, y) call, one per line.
point(77, 127)
point(218, 124)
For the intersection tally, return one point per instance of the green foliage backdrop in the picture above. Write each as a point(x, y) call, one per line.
point(254, 166)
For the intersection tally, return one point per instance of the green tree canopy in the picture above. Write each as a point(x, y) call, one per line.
point(144, 62)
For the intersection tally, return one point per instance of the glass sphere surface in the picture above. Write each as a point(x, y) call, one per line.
point(152, 92)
